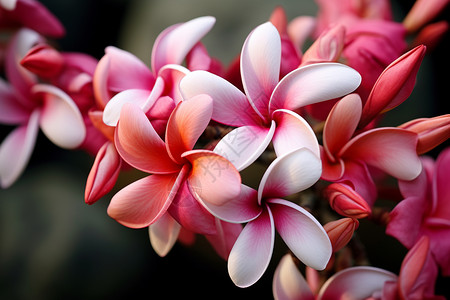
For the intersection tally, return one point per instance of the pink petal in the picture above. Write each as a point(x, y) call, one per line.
point(392, 150)
point(189, 213)
point(231, 106)
point(139, 145)
point(111, 113)
point(163, 234)
point(243, 145)
point(289, 174)
point(441, 188)
point(211, 173)
point(252, 251)
point(100, 82)
point(172, 75)
point(240, 209)
point(327, 47)
point(143, 202)
point(61, 121)
point(186, 123)
point(312, 84)
point(341, 124)
point(174, 43)
point(355, 283)
point(422, 12)
point(302, 233)
point(300, 29)
point(260, 65)
point(292, 133)
point(289, 283)
point(224, 239)
point(16, 150)
point(103, 174)
point(11, 111)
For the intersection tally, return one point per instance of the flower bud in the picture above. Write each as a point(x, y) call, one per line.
point(43, 61)
point(340, 232)
point(346, 201)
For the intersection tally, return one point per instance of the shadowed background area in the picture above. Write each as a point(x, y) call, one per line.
point(54, 246)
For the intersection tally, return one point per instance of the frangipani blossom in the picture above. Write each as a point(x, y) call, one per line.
point(265, 212)
point(265, 112)
point(31, 105)
point(425, 210)
point(182, 178)
point(346, 156)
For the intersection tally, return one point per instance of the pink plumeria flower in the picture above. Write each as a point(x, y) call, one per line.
point(346, 156)
point(265, 112)
point(425, 210)
point(182, 178)
point(265, 211)
point(31, 105)
point(416, 280)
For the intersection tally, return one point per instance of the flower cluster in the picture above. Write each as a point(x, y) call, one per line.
point(311, 115)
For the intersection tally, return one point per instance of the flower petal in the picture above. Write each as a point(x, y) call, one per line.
point(243, 145)
point(392, 150)
point(61, 121)
point(186, 123)
point(224, 239)
point(289, 283)
point(231, 106)
point(111, 113)
point(355, 283)
point(138, 143)
point(144, 201)
point(292, 133)
point(16, 150)
point(11, 111)
point(302, 233)
point(260, 65)
point(174, 43)
point(172, 75)
point(312, 84)
point(289, 174)
point(211, 173)
point(252, 251)
point(163, 234)
point(341, 124)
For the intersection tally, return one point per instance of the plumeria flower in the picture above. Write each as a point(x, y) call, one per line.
point(346, 156)
point(265, 211)
point(265, 112)
point(121, 77)
point(425, 210)
point(416, 280)
point(32, 105)
point(182, 178)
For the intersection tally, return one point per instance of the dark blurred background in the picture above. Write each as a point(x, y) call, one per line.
point(54, 246)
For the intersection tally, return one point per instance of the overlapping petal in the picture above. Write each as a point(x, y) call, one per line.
point(302, 233)
point(11, 111)
point(163, 234)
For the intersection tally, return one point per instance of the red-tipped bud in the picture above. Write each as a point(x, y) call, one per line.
point(431, 35)
point(394, 85)
point(327, 48)
point(341, 231)
point(43, 61)
point(431, 131)
point(279, 20)
point(346, 201)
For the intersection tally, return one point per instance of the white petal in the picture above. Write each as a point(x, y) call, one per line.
point(163, 234)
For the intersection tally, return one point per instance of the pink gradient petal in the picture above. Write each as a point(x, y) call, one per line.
point(163, 234)
point(341, 124)
point(103, 174)
point(60, 120)
point(289, 283)
point(422, 12)
point(16, 150)
point(441, 205)
point(252, 251)
point(292, 133)
point(11, 111)
point(355, 283)
point(243, 145)
point(224, 239)
point(231, 106)
point(111, 113)
point(174, 43)
point(392, 150)
point(312, 84)
point(260, 65)
point(327, 47)
point(100, 82)
point(172, 75)
point(211, 173)
point(125, 71)
point(144, 201)
point(290, 173)
point(186, 123)
point(138, 143)
point(302, 233)
point(240, 209)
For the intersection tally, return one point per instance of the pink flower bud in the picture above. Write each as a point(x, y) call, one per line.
point(340, 232)
point(327, 48)
point(431, 35)
point(43, 61)
point(422, 12)
point(346, 201)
